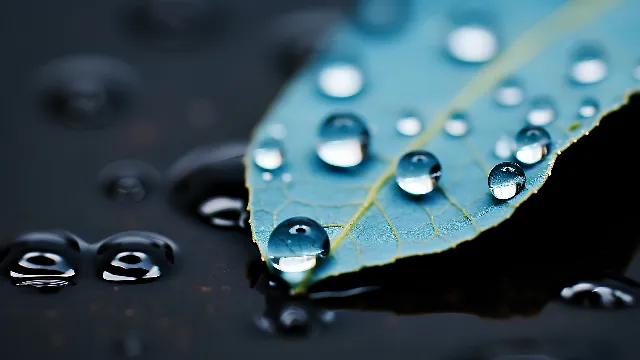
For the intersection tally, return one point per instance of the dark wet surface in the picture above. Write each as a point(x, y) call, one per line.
point(214, 301)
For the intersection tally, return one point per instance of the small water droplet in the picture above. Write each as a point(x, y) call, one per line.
point(418, 172)
point(266, 176)
point(127, 188)
point(223, 211)
point(504, 147)
point(457, 125)
point(343, 140)
point(128, 180)
point(506, 180)
point(409, 125)
point(278, 131)
point(510, 93)
point(589, 108)
point(294, 319)
point(588, 66)
point(472, 43)
point(542, 111)
point(286, 178)
point(268, 154)
point(340, 79)
point(532, 144)
point(297, 244)
point(381, 16)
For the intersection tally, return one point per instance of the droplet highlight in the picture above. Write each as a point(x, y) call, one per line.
point(472, 43)
point(418, 172)
point(510, 93)
point(588, 108)
point(596, 295)
point(224, 211)
point(588, 65)
point(297, 244)
point(409, 125)
point(504, 147)
point(457, 125)
point(269, 155)
point(343, 140)
point(506, 180)
point(542, 112)
point(340, 79)
point(532, 144)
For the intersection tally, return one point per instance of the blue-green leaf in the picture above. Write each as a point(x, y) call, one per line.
point(369, 221)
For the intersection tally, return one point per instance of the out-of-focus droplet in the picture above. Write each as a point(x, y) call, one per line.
point(409, 125)
point(297, 244)
point(542, 111)
point(269, 155)
point(340, 79)
point(504, 147)
point(588, 65)
point(510, 93)
point(472, 42)
point(457, 125)
point(418, 172)
point(128, 180)
point(381, 16)
point(588, 108)
point(532, 145)
point(343, 140)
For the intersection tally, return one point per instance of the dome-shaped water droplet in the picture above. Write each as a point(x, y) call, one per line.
point(472, 43)
point(506, 180)
point(340, 79)
point(343, 140)
point(588, 108)
point(129, 180)
point(297, 244)
point(504, 147)
point(588, 65)
point(457, 125)
point(542, 111)
point(268, 154)
point(532, 144)
point(510, 93)
point(127, 188)
point(418, 172)
point(409, 125)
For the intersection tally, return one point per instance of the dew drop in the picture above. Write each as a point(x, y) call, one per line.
point(343, 140)
point(510, 93)
point(504, 147)
point(532, 144)
point(457, 125)
point(418, 172)
point(588, 108)
point(128, 180)
point(340, 79)
point(542, 111)
point(472, 43)
point(381, 16)
point(409, 125)
point(127, 189)
point(286, 178)
point(506, 180)
point(266, 176)
point(223, 211)
point(588, 66)
point(36, 264)
point(268, 154)
point(297, 244)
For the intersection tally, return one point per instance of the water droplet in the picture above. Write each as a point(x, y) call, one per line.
point(224, 211)
point(504, 147)
point(532, 144)
point(135, 257)
point(542, 111)
point(457, 125)
point(597, 295)
point(340, 79)
point(506, 180)
point(268, 154)
point(409, 125)
point(267, 176)
point(588, 66)
point(37, 264)
point(588, 108)
point(286, 178)
point(381, 16)
point(418, 172)
point(128, 180)
point(473, 43)
point(128, 188)
point(343, 140)
point(510, 93)
point(278, 131)
point(297, 244)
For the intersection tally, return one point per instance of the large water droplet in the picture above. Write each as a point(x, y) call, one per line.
point(532, 144)
point(588, 65)
point(542, 111)
point(457, 125)
point(504, 147)
point(510, 93)
point(588, 108)
point(418, 172)
point(268, 154)
point(506, 180)
point(340, 79)
point(472, 43)
point(381, 16)
point(297, 244)
point(409, 125)
point(597, 295)
point(343, 140)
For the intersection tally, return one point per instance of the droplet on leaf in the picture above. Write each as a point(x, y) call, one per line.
point(472, 43)
point(223, 211)
point(343, 140)
point(268, 154)
point(418, 172)
point(409, 125)
point(504, 147)
point(542, 111)
point(588, 108)
point(588, 65)
point(297, 244)
point(340, 79)
point(510, 93)
point(457, 125)
point(506, 180)
point(381, 16)
point(532, 144)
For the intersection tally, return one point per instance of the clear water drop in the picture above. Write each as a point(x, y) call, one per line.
point(266, 176)
point(418, 172)
point(472, 43)
point(340, 79)
point(596, 295)
point(269, 155)
point(41, 264)
point(457, 125)
point(588, 65)
point(343, 140)
point(409, 125)
point(297, 244)
point(506, 180)
point(542, 111)
point(510, 93)
point(223, 211)
point(532, 144)
point(588, 108)
point(504, 147)
point(131, 266)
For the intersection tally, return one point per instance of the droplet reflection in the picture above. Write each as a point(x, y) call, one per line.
point(340, 79)
point(588, 66)
point(269, 154)
point(343, 140)
point(418, 172)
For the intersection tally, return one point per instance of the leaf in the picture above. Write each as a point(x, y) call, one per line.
point(369, 221)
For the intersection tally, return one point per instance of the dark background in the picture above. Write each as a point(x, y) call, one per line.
point(212, 92)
